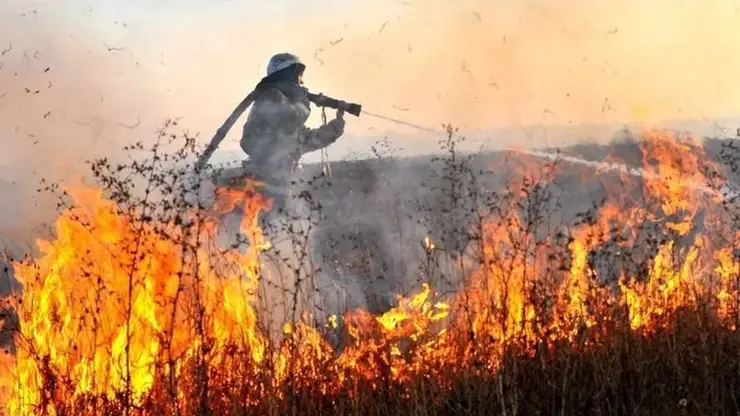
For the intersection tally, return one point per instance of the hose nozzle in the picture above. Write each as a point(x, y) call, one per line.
point(324, 101)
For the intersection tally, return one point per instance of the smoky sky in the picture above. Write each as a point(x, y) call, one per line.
point(475, 64)
point(81, 79)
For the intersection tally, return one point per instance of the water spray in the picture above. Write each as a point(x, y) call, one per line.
point(726, 192)
point(404, 123)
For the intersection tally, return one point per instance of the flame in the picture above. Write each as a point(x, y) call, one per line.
point(428, 245)
point(114, 308)
point(105, 301)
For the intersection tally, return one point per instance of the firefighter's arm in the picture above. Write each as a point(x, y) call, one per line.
point(315, 139)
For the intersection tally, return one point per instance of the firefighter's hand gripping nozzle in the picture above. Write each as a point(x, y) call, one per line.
point(323, 101)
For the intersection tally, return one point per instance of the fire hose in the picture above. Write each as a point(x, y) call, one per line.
point(318, 99)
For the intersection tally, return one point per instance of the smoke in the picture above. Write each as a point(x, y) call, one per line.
point(83, 79)
point(482, 64)
point(67, 95)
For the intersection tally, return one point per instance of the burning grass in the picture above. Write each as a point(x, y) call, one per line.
point(632, 309)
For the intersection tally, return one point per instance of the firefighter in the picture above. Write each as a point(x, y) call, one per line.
point(275, 136)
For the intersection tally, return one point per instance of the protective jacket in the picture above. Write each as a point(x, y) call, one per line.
point(275, 136)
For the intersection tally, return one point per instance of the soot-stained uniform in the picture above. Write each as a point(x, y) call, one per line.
point(275, 136)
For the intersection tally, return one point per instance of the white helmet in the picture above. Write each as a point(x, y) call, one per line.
point(281, 61)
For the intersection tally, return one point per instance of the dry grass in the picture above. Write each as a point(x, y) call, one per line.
point(686, 361)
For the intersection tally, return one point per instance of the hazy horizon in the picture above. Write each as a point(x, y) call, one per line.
point(474, 64)
point(81, 79)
